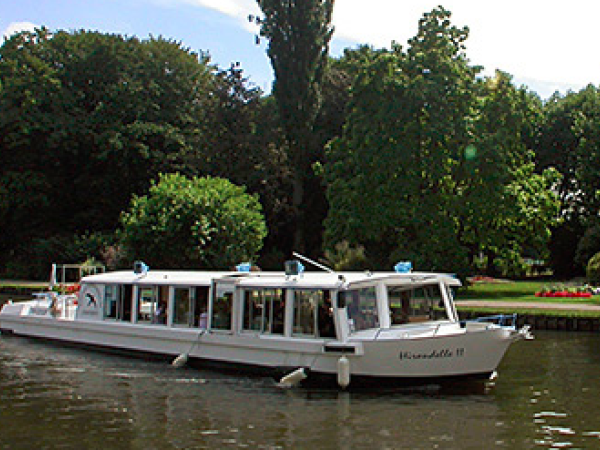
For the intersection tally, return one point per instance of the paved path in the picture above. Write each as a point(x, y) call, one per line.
point(528, 305)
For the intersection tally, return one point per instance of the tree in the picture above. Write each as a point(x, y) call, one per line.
point(244, 144)
point(569, 141)
point(87, 119)
point(504, 208)
point(299, 32)
point(389, 176)
point(432, 165)
point(190, 223)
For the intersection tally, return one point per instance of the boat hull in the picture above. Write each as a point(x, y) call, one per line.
point(384, 361)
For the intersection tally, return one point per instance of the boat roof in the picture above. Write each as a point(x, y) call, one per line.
point(307, 280)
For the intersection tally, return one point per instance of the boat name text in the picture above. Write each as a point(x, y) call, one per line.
point(435, 354)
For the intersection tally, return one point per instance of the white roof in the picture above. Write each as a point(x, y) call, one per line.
point(307, 280)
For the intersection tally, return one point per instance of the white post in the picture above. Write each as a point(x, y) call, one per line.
point(53, 276)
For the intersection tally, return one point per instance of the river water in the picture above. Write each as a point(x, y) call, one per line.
point(546, 396)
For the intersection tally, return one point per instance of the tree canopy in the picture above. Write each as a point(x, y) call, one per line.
point(569, 141)
point(193, 223)
point(421, 157)
point(89, 118)
point(431, 165)
point(299, 32)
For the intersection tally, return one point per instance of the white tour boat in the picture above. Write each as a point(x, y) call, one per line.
point(352, 328)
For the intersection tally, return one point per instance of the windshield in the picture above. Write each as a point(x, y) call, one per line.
point(361, 305)
point(415, 304)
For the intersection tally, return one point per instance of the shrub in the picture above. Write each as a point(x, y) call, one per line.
point(199, 222)
point(593, 269)
point(345, 257)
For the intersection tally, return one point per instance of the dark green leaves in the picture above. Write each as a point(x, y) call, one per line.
point(193, 223)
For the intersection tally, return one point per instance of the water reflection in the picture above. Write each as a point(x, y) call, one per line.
point(56, 397)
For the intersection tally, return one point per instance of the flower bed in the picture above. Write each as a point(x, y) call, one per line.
point(565, 294)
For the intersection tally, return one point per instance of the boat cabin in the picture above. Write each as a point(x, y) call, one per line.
point(311, 305)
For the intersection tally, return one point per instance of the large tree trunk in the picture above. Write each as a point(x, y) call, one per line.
point(298, 200)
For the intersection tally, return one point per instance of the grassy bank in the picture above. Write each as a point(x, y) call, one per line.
point(522, 293)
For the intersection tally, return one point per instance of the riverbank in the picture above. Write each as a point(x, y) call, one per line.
point(22, 287)
point(538, 315)
point(573, 313)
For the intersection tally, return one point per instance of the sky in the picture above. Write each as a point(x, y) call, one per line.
point(547, 46)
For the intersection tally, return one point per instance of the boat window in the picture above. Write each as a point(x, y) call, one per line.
point(313, 315)
point(191, 306)
point(414, 305)
point(152, 304)
point(111, 300)
point(117, 301)
point(183, 308)
point(264, 311)
point(200, 306)
point(221, 311)
point(146, 304)
point(361, 305)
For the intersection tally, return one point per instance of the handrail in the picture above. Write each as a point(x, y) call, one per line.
point(406, 334)
point(503, 320)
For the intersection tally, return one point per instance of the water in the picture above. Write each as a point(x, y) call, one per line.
point(546, 396)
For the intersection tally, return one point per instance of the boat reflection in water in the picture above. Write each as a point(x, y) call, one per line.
point(396, 328)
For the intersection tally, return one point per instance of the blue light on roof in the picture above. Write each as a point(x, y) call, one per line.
point(403, 267)
point(244, 267)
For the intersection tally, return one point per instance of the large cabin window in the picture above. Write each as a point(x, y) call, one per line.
point(190, 306)
point(264, 311)
point(183, 307)
point(361, 305)
point(313, 315)
point(414, 305)
point(117, 302)
point(152, 304)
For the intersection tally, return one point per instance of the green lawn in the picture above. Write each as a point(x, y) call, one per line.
point(508, 291)
point(524, 291)
point(520, 291)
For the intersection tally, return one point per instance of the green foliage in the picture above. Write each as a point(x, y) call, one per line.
point(588, 245)
point(87, 119)
point(34, 260)
point(299, 32)
point(432, 165)
point(593, 270)
point(389, 175)
point(245, 145)
point(428, 161)
point(569, 139)
point(346, 258)
point(193, 223)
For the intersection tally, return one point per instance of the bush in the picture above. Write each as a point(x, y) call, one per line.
point(344, 257)
point(34, 259)
point(199, 222)
point(588, 245)
point(593, 269)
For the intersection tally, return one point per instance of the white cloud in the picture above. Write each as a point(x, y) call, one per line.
point(534, 39)
point(236, 9)
point(16, 27)
point(239, 9)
